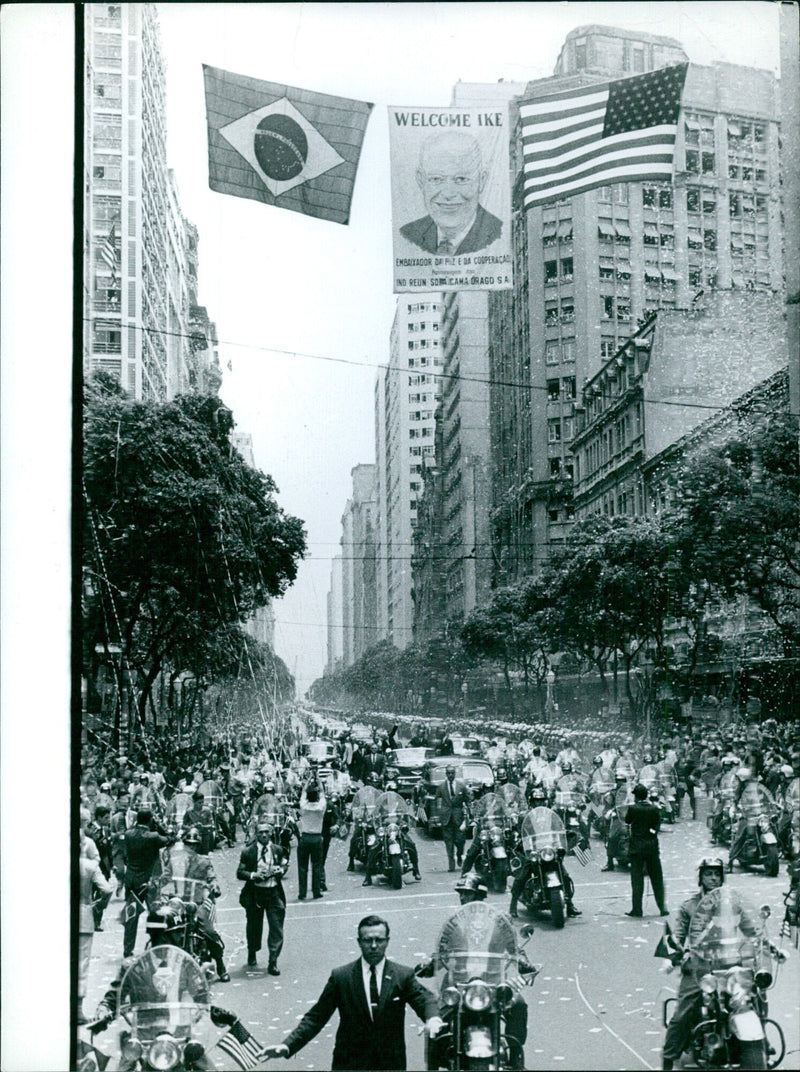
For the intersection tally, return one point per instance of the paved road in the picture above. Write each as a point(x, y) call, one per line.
point(595, 1005)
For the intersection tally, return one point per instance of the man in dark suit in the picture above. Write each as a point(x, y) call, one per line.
point(451, 177)
point(262, 865)
point(370, 995)
point(451, 798)
point(142, 846)
point(644, 819)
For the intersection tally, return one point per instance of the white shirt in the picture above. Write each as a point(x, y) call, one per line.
point(365, 975)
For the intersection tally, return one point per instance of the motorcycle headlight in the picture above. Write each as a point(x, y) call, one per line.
point(763, 979)
point(163, 1054)
point(478, 997)
point(548, 854)
point(533, 856)
point(708, 984)
point(450, 996)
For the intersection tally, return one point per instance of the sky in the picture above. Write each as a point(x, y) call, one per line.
point(304, 307)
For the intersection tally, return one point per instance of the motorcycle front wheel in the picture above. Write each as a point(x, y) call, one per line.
point(752, 1055)
point(771, 860)
point(397, 872)
point(557, 907)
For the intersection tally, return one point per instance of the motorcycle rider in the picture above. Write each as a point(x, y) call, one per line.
point(710, 876)
point(201, 869)
point(522, 876)
point(617, 838)
point(745, 776)
point(372, 864)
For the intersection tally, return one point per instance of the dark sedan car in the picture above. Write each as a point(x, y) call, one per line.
point(405, 765)
point(477, 773)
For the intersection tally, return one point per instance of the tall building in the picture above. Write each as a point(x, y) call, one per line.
point(335, 617)
point(406, 395)
point(359, 611)
point(589, 269)
point(142, 320)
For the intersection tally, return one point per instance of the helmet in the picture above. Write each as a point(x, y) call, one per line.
point(710, 863)
point(620, 776)
point(566, 767)
point(729, 761)
point(471, 883)
point(391, 786)
point(269, 787)
point(551, 757)
point(372, 778)
point(192, 836)
point(597, 761)
point(162, 925)
point(647, 758)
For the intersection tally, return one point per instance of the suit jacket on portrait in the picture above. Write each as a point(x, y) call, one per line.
point(485, 230)
point(248, 862)
point(362, 1044)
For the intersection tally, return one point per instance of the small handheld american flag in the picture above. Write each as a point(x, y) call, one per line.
point(240, 1045)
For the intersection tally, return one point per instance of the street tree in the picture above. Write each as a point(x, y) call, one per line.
point(182, 540)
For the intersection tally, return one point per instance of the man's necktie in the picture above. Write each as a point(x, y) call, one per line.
point(445, 248)
point(373, 991)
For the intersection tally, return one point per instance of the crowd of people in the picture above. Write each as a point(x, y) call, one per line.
point(150, 820)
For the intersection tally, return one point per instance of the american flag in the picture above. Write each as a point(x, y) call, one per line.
point(607, 132)
point(109, 253)
point(239, 1044)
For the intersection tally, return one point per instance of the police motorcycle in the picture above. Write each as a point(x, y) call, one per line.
point(756, 809)
point(601, 795)
point(362, 815)
point(568, 801)
point(391, 823)
point(215, 802)
point(164, 1006)
point(544, 844)
point(668, 792)
point(550, 774)
point(490, 816)
point(720, 820)
point(618, 840)
point(484, 966)
point(278, 812)
point(514, 798)
point(733, 962)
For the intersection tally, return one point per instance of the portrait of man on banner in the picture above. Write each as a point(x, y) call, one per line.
point(451, 177)
point(450, 198)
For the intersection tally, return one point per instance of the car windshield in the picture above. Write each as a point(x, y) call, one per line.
point(409, 757)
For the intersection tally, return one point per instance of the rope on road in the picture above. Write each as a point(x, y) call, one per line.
point(610, 1030)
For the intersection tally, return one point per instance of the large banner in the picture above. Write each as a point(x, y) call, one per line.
point(451, 198)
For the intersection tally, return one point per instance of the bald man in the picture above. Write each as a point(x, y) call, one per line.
point(451, 177)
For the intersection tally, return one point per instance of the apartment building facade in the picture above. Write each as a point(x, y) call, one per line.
point(142, 320)
point(589, 269)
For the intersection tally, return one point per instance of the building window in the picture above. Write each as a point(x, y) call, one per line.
point(580, 56)
point(568, 350)
point(566, 269)
point(608, 307)
point(550, 271)
point(638, 60)
point(554, 431)
point(552, 353)
point(621, 191)
point(604, 193)
point(555, 467)
point(693, 161)
point(567, 429)
point(552, 390)
point(568, 387)
point(567, 312)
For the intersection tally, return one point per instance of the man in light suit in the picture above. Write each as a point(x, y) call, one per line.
point(451, 177)
point(370, 995)
point(451, 798)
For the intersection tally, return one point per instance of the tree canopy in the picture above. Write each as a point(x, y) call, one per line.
point(182, 540)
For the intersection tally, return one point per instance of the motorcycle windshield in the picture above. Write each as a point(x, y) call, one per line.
point(513, 797)
point(648, 775)
point(365, 802)
point(625, 766)
point(569, 792)
point(177, 808)
point(270, 809)
point(490, 808)
point(183, 875)
point(543, 829)
point(666, 776)
point(623, 799)
point(391, 807)
point(602, 783)
point(728, 784)
point(550, 774)
point(477, 941)
point(756, 800)
point(165, 991)
point(212, 791)
point(726, 930)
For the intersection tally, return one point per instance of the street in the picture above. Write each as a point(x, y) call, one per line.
point(597, 1003)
